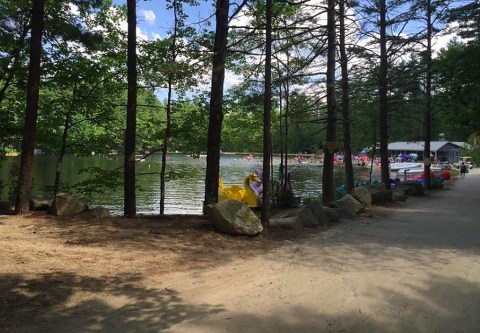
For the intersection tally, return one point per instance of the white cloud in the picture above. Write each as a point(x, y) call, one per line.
point(156, 36)
point(232, 79)
point(149, 16)
point(141, 34)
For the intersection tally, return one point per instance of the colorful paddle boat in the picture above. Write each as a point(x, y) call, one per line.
point(245, 194)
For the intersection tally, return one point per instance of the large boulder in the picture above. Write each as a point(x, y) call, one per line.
point(399, 195)
point(234, 217)
point(407, 190)
point(362, 195)
point(317, 209)
point(295, 219)
point(332, 214)
point(99, 212)
point(348, 206)
point(65, 204)
point(379, 193)
point(382, 197)
point(413, 187)
point(284, 222)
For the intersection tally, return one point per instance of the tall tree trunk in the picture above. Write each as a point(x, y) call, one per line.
point(287, 113)
point(267, 117)
point(168, 127)
point(383, 90)
point(165, 145)
point(328, 167)
point(216, 101)
point(428, 97)
point(345, 102)
point(130, 208)
point(31, 114)
point(283, 153)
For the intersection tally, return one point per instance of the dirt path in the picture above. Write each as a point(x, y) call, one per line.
point(416, 269)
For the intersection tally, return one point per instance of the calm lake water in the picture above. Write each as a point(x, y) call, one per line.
point(184, 194)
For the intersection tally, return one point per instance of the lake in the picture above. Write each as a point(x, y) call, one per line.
point(184, 194)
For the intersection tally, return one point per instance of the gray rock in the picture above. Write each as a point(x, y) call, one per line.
point(303, 216)
point(382, 197)
point(407, 190)
point(289, 223)
point(308, 218)
point(418, 187)
point(362, 195)
point(399, 195)
point(100, 212)
point(317, 209)
point(379, 194)
point(65, 204)
point(332, 214)
point(348, 205)
point(233, 217)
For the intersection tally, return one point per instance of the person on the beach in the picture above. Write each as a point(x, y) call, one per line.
point(463, 170)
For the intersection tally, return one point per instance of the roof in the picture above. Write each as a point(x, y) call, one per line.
point(420, 146)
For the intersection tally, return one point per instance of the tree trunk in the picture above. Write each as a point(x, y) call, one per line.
point(349, 180)
point(31, 114)
point(216, 100)
point(328, 167)
point(130, 208)
point(383, 90)
point(168, 127)
point(267, 117)
point(287, 114)
point(428, 97)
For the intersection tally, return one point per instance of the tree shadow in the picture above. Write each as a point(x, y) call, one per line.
point(48, 303)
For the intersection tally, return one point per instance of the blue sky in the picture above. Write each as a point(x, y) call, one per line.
point(154, 20)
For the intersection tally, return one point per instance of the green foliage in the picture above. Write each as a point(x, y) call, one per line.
point(473, 148)
point(458, 97)
point(286, 199)
point(13, 185)
point(468, 19)
point(191, 126)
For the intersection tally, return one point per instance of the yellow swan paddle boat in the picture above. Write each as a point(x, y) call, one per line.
point(246, 194)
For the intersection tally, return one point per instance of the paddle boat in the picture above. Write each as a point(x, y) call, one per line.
point(404, 165)
point(245, 194)
point(418, 173)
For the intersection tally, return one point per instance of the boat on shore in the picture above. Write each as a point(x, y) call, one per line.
point(404, 165)
point(416, 173)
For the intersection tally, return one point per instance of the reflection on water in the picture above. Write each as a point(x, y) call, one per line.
point(184, 193)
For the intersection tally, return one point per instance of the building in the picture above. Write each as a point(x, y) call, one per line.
point(444, 151)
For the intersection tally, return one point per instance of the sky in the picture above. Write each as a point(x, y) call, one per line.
point(155, 21)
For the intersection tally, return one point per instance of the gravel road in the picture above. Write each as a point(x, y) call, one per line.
point(413, 268)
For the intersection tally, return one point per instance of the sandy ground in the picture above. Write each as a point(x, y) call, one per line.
point(411, 267)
